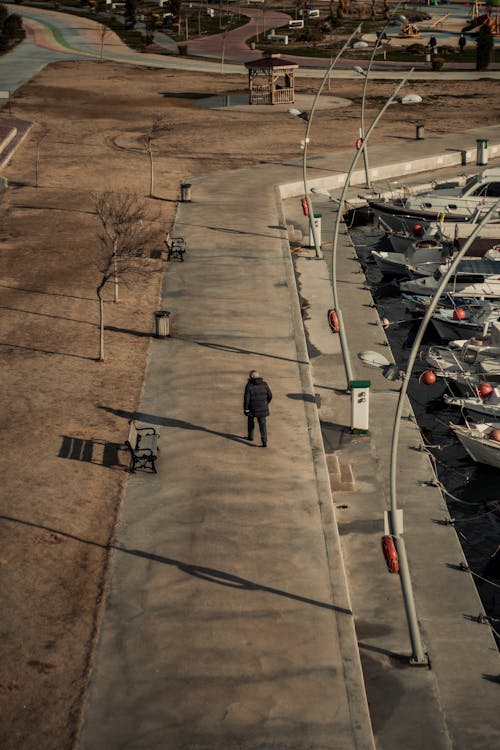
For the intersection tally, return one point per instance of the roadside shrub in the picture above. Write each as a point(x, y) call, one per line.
point(437, 63)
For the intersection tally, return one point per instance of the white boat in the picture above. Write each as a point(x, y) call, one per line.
point(488, 407)
point(470, 362)
point(456, 203)
point(400, 231)
point(474, 277)
point(423, 254)
point(465, 321)
point(481, 441)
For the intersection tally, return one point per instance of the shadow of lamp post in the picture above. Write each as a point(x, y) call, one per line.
point(308, 117)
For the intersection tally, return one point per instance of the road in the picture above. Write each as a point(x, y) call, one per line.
point(52, 36)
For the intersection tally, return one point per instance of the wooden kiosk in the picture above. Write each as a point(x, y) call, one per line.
point(271, 80)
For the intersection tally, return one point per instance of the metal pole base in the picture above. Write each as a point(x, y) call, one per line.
point(425, 662)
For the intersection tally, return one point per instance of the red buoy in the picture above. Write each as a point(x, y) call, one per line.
point(495, 435)
point(390, 554)
point(459, 313)
point(359, 143)
point(428, 377)
point(305, 207)
point(417, 230)
point(333, 321)
point(484, 390)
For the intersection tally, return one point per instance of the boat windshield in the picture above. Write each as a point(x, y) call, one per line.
point(470, 183)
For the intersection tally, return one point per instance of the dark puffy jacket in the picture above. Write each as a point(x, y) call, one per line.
point(257, 397)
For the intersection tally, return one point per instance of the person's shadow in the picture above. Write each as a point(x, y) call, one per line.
point(171, 422)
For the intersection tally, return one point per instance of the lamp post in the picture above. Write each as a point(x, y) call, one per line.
point(418, 657)
point(341, 200)
point(308, 117)
point(365, 74)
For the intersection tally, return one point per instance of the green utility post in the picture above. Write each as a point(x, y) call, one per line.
point(360, 405)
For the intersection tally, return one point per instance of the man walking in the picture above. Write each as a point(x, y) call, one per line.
point(256, 404)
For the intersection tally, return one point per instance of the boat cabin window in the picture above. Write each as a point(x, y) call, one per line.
point(491, 190)
point(470, 278)
point(470, 183)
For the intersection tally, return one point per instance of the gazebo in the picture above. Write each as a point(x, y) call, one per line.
point(271, 80)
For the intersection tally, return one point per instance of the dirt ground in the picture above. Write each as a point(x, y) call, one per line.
point(62, 462)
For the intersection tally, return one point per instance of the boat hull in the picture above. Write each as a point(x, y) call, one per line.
point(479, 447)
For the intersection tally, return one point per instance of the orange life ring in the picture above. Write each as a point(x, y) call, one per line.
point(359, 143)
point(390, 554)
point(333, 321)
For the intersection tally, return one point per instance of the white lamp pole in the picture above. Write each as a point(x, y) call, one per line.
point(343, 338)
point(366, 74)
point(309, 118)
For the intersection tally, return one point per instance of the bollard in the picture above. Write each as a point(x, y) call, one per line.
point(482, 151)
point(185, 192)
point(463, 154)
point(419, 132)
point(162, 324)
point(360, 405)
point(317, 225)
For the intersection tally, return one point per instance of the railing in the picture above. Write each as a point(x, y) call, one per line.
point(283, 96)
point(279, 96)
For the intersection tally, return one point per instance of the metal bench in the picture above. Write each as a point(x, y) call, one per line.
point(142, 443)
point(176, 247)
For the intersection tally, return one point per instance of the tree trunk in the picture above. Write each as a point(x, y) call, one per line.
point(115, 276)
point(151, 170)
point(101, 323)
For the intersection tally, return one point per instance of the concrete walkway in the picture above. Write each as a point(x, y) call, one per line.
point(236, 614)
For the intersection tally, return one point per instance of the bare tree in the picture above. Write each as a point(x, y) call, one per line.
point(129, 231)
point(158, 128)
point(103, 31)
point(42, 132)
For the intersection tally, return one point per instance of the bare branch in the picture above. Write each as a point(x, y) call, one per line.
point(130, 229)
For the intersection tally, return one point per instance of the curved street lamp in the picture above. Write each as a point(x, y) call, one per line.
point(343, 338)
point(366, 74)
point(308, 117)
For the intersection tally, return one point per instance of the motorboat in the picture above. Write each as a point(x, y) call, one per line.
point(401, 230)
point(469, 357)
point(468, 363)
point(451, 201)
point(481, 440)
point(473, 277)
point(465, 321)
point(424, 254)
point(474, 404)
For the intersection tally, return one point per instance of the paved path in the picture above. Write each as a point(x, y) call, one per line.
point(52, 35)
point(229, 623)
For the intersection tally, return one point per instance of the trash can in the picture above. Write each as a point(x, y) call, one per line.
point(185, 192)
point(419, 132)
point(482, 151)
point(162, 324)
point(317, 226)
point(360, 405)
